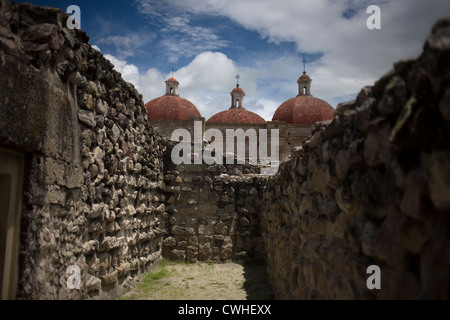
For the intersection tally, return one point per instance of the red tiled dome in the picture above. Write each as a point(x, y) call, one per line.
point(237, 90)
point(236, 115)
point(304, 109)
point(304, 77)
point(172, 79)
point(171, 108)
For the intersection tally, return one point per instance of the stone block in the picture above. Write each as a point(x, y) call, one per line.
point(55, 195)
point(205, 230)
point(123, 270)
point(192, 209)
point(109, 279)
point(386, 246)
point(87, 118)
point(377, 147)
point(93, 284)
point(109, 243)
point(416, 186)
point(244, 222)
point(439, 183)
point(208, 208)
point(221, 228)
point(174, 254)
point(204, 251)
point(178, 230)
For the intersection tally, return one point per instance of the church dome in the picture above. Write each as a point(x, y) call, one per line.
point(304, 108)
point(304, 76)
point(237, 90)
point(236, 115)
point(171, 106)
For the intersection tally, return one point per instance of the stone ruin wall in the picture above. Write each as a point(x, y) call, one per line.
point(93, 166)
point(370, 187)
point(213, 212)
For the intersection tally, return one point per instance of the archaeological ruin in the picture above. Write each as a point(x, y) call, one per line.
point(87, 181)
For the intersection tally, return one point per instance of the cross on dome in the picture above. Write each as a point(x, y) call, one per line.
point(304, 82)
point(304, 65)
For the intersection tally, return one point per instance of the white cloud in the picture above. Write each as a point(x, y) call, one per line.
point(128, 45)
point(206, 81)
point(180, 38)
point(352, 55)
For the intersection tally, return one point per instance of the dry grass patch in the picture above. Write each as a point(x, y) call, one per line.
point(203, 281)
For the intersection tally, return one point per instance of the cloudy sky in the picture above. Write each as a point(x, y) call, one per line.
point(208, 42)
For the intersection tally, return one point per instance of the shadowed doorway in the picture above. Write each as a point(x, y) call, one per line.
point(11, 176)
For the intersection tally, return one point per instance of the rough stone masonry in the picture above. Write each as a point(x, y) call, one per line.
point(370, 187)
point(93, 164)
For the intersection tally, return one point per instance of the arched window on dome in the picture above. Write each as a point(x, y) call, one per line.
point(171, 90)
point(304, 90)
point(237, 103)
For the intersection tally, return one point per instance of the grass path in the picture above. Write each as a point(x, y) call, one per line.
point(203, 281)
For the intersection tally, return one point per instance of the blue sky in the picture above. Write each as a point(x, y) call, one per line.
point(208, 42)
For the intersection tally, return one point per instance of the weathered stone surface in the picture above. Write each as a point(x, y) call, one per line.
point(382, 198)
point(439, 169)
point(78, 204)
point(170, 242)
point(93, 284)
point(221, 228)
point(109, 278)
point(177, 230)
point(87, 118)
point(369, 187)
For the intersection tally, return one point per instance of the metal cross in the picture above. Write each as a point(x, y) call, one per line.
point(237, 78)
point(304, 64)
point(172, 72)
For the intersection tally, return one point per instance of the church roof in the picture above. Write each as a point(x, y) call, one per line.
point(237, 90)
point(304, 109)
point(171, 107)
point(236, 115)
point(304, 76)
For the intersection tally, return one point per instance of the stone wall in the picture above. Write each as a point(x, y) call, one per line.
point(370, 187)
point(213, 212)
point(166, 127)
point(92, 172)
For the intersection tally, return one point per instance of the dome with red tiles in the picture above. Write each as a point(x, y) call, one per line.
point(304, 76)
point(171, 106)
point(236, 115)
point(237, 89)
point(304, 109)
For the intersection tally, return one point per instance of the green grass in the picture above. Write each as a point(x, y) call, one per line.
point(161, 271)
point(151, 280)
